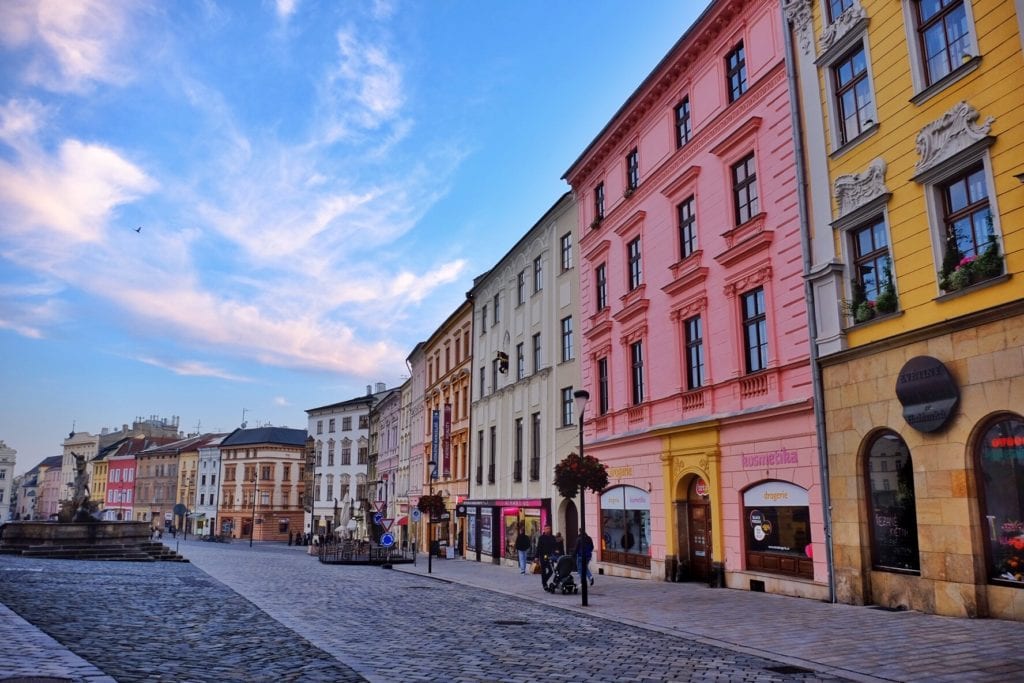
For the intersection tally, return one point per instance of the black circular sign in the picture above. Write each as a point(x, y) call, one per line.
point(928, 393)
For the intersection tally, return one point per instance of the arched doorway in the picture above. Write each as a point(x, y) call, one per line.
point(693, 522)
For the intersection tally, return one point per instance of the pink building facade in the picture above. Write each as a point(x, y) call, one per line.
point(120, 498)
point(695, 337)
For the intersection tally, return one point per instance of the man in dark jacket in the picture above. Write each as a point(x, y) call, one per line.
point(545, 549)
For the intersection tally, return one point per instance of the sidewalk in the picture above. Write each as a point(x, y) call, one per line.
point(860, 643)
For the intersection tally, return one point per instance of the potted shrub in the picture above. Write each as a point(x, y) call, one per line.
point(887, 301)
point(575, 473)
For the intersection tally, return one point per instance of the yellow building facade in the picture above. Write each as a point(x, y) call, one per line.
point(915, 256)
point(449, 356)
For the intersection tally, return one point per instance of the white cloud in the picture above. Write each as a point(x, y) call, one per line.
point(71, 45)
point(73, 193)
point(281, 401)
point(192, 368)
point(303, 235)
point(286, 8)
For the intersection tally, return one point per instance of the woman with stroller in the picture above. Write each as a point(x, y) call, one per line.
point(584, 551)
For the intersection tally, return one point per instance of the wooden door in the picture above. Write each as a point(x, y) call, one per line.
point(699, 540)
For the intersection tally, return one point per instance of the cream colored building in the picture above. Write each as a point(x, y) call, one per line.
point(525, 366)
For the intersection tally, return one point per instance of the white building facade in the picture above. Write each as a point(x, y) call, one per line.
point(526, 342)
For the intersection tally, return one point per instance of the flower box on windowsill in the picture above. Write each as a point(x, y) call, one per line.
point(877, 317)
point(596, 223)
point(630, 191)
point(980, 284)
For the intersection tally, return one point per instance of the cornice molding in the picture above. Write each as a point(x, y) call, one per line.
point(857, 189)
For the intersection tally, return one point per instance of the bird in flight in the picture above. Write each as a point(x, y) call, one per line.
point(138, 229)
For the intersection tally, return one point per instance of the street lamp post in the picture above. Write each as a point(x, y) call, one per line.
point(430, 523)
point(581, 396)
point(255, 493)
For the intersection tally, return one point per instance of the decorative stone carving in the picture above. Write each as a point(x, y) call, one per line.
point(842, 25)
point(856, 190)
point(798, 13)
point(952, 133)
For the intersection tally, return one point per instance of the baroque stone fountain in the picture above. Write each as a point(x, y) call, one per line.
point(84, 537)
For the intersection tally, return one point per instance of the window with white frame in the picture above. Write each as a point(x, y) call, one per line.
point(602, 386)
point(854, 100)
point(567, 351)
point(568, 403)
point(537, 358)
point(521, 288)
point(687, 219)
point(683, 126)
point(632, 170)
point(520, 361)
point(497, 316)
point(601, 286)
point(942, 43)
point(635, 268)
point(736, 72)
point(694, 353)
point(599, 201)
point(755, 330)
point(538, 274)
point(744, 189)
point(566, 251)
point(636, 356)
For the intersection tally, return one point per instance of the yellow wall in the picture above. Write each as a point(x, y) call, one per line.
point(994, 89)
point(689, 451)
point(98, 489)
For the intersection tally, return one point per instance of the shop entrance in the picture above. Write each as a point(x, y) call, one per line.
point(694, 520)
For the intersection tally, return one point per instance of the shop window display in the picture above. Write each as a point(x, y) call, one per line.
point(778, 529)
point(893, 513)
point(1001, 466)
point(626, 526)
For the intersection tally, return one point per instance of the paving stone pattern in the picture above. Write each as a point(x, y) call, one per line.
point(274, 613)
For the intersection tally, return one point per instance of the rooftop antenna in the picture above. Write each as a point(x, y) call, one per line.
point(244, 411)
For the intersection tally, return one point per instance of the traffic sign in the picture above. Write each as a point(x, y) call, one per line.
point(387, 540)
point(415, 514)
point(386, 523)
point(379, 505)
point(377, 517)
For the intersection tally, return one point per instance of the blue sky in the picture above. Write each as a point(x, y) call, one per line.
point(317, 183)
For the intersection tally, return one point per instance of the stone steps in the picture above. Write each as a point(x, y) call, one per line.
point(140, 552)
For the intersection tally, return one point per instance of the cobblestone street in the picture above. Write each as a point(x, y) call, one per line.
point(273, 613)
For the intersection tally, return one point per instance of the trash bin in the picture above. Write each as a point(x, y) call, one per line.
point(717, 576)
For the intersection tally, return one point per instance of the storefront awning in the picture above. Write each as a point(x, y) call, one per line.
point(402, 521)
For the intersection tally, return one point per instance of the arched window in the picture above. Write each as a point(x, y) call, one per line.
point(1000, 455)
point(889, 474)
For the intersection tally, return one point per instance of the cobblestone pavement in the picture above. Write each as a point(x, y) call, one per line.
point(272, 612)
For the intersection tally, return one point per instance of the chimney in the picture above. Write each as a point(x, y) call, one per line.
point(369, 389)
point(381, 387)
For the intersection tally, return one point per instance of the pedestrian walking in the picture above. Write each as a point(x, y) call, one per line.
point(584, 551)
point(545, 549)
point(559, 544)
point(522, 547)
point(289, 538)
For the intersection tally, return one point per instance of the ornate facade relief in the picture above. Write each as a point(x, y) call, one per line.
point(856, 190)
point(954, 132)
point(798, 13)
point(843, 24)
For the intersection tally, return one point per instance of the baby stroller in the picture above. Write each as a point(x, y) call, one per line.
point(562, 578)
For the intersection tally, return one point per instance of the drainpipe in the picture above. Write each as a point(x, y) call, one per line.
point(812, 323)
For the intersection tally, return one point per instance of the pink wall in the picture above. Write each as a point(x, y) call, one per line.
point(730, 260)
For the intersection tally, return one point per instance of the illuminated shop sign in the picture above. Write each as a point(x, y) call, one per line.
point(927, 392)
